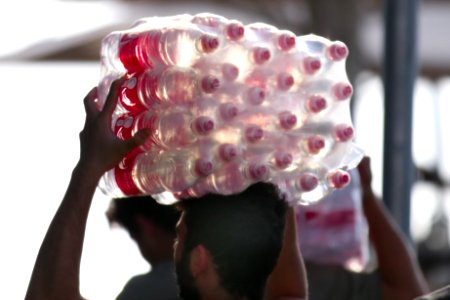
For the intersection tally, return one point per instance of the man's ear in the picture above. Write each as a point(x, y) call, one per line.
point(200, 260)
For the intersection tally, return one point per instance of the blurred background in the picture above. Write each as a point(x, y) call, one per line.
point(49, 60)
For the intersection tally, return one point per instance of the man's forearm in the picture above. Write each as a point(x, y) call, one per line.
point(288, 279)
point(399, 269)
point(56, 271)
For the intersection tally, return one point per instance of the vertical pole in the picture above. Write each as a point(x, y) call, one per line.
point(400, 70)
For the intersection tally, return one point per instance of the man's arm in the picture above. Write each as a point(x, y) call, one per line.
point(400, 273)
point(56, 271)
point(288, 279)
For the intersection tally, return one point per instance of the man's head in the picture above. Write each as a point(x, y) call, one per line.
point(149, 223)
point(241, 236)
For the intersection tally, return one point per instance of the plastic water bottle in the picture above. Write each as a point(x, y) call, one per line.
point(260, 55)
point(302, 187)
point(313, 144)
point(311, 65)
point(232, 178)
point(227, 71)
point(119, 181)
point(282, 159)
point(232, 29)
point(282, 40)
point(342, 90)
point(338, 178)
point(143, 90)
point(149, 49)
point(315, 104)
point(174, 129)
point(285, 81)
point(337, 51)
point(175, 171)
point(343, 132)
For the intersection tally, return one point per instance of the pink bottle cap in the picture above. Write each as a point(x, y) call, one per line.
point(308, 182)
point(203, 125)
point(337, 51)
point(258, 171)
point(283, 159)
point(209, 43)
point(286, 41)
point(235, 31)
point(315, 144)
point(210, 84)
point(342, 90)
point(254, 134)
point(339, 179)
point(228, 111)
point(256, 95)
point(228, 151)
point(316, 104)
point(311, 65)
point(343, 133)
point(203, 167)
point(285, 81)
point(287, 120)
point(230, 72)
point(261, 55)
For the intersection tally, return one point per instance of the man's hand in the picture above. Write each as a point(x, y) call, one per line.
point(365, 173)
point(100, 149)
point(57, 267)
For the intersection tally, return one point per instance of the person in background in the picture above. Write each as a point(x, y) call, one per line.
point(201, 265)
point(398, 275)
point(152, 226)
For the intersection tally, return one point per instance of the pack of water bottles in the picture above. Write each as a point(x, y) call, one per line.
point(228, 104)
point(334, 231)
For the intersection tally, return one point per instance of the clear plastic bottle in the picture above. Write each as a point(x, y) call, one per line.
point(119, 181)
point(287, 120)
point(310, 65)
point(342, 90)
point(283, 40)
point(255, 95)
point(173, 85)
point(302, 187)
point(282, 159)
point(315, 104)
point(172, 46)
point(232, 178)
point(175, 172)
point(343, 132)
point(314, 144)
point(338, 178)
point(173, 129)
point(306, 182)
point(232, 29)
point(285, 81)
point(109, 54)
point(337, 51)
point(229, 72)
point(260, 55)
point(253, 134)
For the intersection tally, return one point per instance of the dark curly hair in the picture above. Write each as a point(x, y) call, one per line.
point(123, 210)
point(243, 232)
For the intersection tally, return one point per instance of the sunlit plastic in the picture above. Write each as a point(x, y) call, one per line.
point(228, 105)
